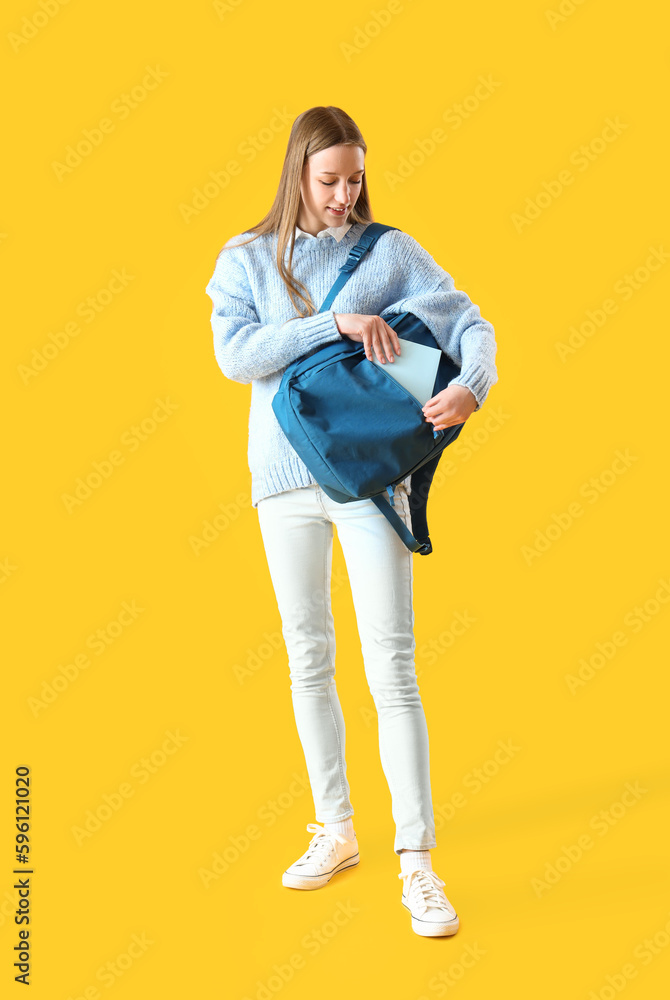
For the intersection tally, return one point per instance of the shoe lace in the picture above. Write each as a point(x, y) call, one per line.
point(322, 843)
point(424, 889)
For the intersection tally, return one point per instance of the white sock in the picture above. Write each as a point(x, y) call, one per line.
point(409, 860)
point(344, 826)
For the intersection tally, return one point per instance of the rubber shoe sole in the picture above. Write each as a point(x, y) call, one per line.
point(316, 881)
point(433, 928)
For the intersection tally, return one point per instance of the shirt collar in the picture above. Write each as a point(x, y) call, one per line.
point(337, 232)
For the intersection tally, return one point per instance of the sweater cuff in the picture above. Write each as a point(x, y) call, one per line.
point(478, 381)
point(314, 331)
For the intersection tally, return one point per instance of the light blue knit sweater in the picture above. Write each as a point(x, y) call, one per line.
point(250, 303)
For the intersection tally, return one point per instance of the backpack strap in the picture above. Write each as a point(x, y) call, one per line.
point(422, 545)
point(366, 241)
point(399, 526)
point(418, 500)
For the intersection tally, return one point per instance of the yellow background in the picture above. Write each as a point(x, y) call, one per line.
point(224, 74)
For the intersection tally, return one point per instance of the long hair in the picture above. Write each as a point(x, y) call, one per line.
point(313, 130)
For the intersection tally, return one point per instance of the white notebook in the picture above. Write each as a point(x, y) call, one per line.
point(415, 368)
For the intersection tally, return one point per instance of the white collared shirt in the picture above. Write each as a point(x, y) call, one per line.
point(335, 231)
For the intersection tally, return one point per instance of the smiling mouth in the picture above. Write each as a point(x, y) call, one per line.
point(336, 211)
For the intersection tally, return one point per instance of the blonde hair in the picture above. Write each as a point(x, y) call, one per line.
point(313, 130)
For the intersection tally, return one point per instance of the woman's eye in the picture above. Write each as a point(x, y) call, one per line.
point(330, 184)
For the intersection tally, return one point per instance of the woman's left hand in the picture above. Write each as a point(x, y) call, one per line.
point(451, 406)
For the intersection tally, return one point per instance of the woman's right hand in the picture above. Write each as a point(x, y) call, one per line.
point(373, 331)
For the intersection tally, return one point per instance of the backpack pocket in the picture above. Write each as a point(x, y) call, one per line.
point(364, 424)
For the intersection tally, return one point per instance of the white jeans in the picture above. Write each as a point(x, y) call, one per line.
point(297, 531)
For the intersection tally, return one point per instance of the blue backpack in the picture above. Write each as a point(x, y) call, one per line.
point(358, 431)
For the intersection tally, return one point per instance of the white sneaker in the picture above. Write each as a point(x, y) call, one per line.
point(328, 853)
point(432, 913)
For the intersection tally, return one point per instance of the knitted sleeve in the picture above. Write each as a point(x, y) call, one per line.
point(453, 319)
point(246, 349)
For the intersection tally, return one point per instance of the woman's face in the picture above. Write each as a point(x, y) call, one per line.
point(331, 179)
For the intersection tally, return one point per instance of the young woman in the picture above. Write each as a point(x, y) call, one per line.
point(267, 286)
